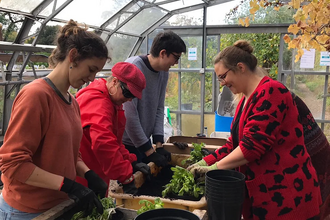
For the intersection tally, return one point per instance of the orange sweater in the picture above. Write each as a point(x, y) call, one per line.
point(44, 131)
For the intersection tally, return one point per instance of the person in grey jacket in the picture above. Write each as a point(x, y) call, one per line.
point(145, 117)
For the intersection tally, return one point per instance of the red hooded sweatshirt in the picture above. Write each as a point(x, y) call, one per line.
point(103, 125)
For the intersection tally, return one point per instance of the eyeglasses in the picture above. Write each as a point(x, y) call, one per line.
point(176, 56)
point(126, 93)
point(221, 78)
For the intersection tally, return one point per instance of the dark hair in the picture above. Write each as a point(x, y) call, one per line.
point(169, 41)
point(87, 43)
point(241, 51)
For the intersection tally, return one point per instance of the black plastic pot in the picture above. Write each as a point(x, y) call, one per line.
point(167, 214)
point(224, 192)
point(119, 215)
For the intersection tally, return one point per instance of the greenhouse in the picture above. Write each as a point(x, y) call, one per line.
point(202, 104)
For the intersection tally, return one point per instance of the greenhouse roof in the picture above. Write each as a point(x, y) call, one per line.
point(130, 17)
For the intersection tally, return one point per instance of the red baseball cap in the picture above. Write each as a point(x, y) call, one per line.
point(130, 75)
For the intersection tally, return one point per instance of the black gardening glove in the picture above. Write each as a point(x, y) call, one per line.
point(83, 196)
point(157, 158)
point(205, 152)
point(144, 168)
point(96, 184)
point(180, 145)
point(164, 152)
point(130, 188)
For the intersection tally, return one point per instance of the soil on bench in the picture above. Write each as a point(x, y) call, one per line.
point(156, 185)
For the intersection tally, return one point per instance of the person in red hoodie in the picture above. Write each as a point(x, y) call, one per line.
point(103, 121)
point(266, 143)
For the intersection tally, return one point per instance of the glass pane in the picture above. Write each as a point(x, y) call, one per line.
point(49, 9)
point(157, 1)
point(148, 16)
point(326, 130)
point(9, 28)
point(266, 48)
point(190, 91)
point(189, 18)
point(94, 12)
point(134, 8)
point(287, 82)
point(123, 17)
point(104, 35)
point(21, 5)
point(34, 29)
point(209, 122)
point(229, 14)
point(310, 89)
point(120, 46)
point(180, 4)
point(211, 50)
point(171, 98)
point(192, 42)
point(152, 36)
point(287, 58)
point(208, 92)
point(213, 17)
point(143, 48)
point(48, 35)
point(175, 126)
point(113, 24)
point(327, 108)
point(190, 124)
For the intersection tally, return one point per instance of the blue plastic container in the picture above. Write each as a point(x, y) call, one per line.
point(222, 123)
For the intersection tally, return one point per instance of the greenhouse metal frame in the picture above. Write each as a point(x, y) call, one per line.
point(138, 20)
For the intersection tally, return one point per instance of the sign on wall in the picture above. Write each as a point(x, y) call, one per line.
point(307, 59)
point(192, 53)
point(325, 58)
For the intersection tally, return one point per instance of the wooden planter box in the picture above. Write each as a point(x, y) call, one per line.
point(129, 214)
point(132, 202)
point(128, 204)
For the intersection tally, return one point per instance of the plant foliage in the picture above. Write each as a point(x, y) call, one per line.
point(147, 205)
point(108, 206)
point(196, 154)
point(183, 184)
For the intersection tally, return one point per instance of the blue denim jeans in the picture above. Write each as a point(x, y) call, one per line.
point(9, 213)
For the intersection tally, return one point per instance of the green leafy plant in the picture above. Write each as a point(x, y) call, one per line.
point(183, 184)
point(147, 205)
point(196, 154)
point(108, 206)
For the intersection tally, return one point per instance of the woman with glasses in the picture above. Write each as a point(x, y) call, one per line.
point(266, 142)
point(103, 123)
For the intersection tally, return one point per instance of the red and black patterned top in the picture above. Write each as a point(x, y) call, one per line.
point(280, 179)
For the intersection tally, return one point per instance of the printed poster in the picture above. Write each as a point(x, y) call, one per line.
point(307, 59)
point(325, 58)
point(192, 53)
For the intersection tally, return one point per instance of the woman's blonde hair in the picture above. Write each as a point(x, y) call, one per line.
point(240, 52)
